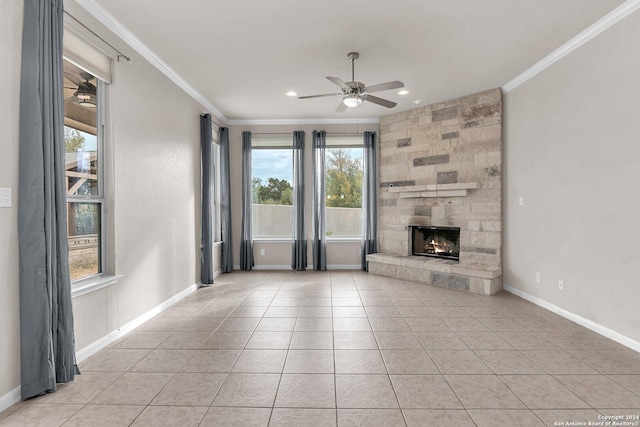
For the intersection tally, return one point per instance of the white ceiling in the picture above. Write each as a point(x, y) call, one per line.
point(244, 55)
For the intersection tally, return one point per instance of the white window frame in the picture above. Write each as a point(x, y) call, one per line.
point(215, 160)
point(101, 279)
point(284, 142)
point(343, 141)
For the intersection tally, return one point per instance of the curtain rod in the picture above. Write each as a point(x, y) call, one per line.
point(213, 122)
point(275, 133)
point(120, 54)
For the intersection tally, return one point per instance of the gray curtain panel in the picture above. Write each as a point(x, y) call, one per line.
point(46, 317)
point(246, 242)
point(299, 245)
point(206, 252)
point(369, 205)
point(319, 243)
point(225, 202)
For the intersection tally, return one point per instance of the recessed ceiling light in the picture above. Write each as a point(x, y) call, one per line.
point(291, 93)
point(403, 92)
point(419, 101)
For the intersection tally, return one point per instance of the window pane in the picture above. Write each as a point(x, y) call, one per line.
point(81, 163)
point(344, 173)
point(82, 171)
point(80, 131)
point(83, 228)
point(272, 210)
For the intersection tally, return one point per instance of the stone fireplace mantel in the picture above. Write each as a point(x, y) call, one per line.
point(435, 190)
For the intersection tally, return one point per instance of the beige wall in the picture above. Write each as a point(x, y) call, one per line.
point(572, 151)
point(155, 198)
point(10, 48)
point(155, 149)
point(278, 254)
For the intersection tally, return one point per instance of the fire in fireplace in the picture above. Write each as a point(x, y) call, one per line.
point(439, 242)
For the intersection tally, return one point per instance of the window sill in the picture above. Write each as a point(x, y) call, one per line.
point(343, 239)
point(92, 284)
point(273, 239)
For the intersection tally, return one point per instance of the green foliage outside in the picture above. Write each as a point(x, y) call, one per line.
point(344, 179)
point(343, 189)
point(274, 192)
point(73, 140)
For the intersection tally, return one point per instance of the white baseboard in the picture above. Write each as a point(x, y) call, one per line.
point(344, 267)
point(93, 348)
point(10, 399)
point(271, 267)
point(309, 268)
point(14, 395)
point(589, 324)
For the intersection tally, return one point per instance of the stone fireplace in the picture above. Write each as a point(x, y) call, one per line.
point(441, 167)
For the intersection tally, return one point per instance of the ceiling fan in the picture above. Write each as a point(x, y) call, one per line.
point(353, 92)
point(84, 92)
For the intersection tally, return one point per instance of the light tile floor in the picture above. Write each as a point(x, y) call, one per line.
point(346, 348)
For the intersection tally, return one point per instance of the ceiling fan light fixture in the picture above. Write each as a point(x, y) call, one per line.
point(352, 101)
point(86, 100)
point(291, 93)
point(403, 92)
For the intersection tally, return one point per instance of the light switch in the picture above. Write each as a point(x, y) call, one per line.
point(521, 200)
point(5, 198)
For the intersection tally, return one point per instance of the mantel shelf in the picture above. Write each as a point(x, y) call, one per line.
point(458, 189)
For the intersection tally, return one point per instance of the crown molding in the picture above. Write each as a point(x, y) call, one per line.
point(250, 122)
point(610, 19)
point(114, 25)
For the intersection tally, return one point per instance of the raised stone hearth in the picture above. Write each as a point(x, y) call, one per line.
point(441, 165)
point(440, 272)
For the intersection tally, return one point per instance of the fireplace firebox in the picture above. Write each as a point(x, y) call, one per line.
point(438, 242)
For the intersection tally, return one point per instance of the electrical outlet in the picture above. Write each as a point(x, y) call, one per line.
point(261, 251)
point(538, 278)
point(561, 285)
point(5, 198)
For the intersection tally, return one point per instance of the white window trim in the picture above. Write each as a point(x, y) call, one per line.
point(272, 143)
point(98, 281)
point(273, 239)
point(217, 235)
point(343, 239)
point(92, 284)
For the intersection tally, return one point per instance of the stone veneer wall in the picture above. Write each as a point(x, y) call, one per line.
point(456, 141)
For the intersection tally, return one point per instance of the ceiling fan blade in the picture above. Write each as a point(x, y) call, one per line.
point(339, 82)
point(319, 96)
point(385, 86)
point(380, 101)
point(341, 107)
point(73, 79)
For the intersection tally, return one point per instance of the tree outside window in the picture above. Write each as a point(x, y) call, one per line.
point(343, 189)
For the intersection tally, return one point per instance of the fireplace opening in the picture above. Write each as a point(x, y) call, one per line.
point(438, 242)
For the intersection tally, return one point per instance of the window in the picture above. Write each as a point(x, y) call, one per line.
point(343, 187)
point(83, 137)
point(215, 159)
point(272, 183)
